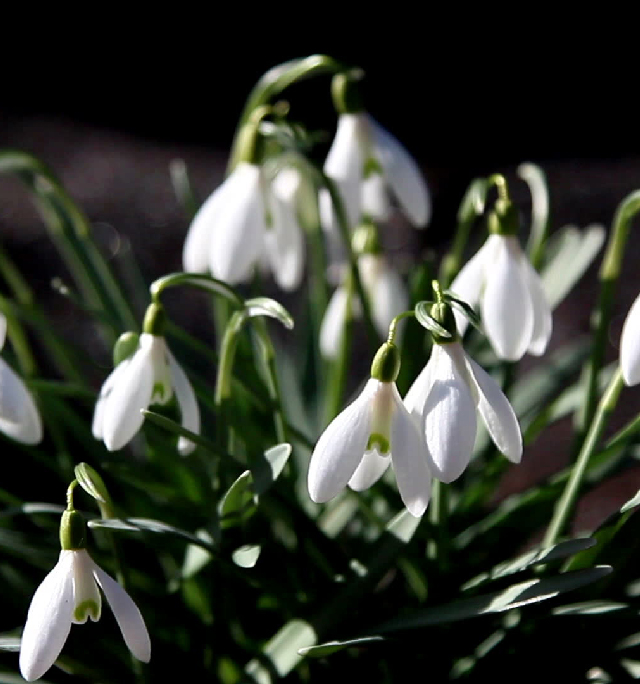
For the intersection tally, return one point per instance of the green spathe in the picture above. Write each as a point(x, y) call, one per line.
point(386, 363)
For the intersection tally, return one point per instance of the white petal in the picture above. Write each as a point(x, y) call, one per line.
point(332, 326)
point(542, 321)
point(127, 615)
point(507, 310)
point(416, 398)
point(105, 391)
point(195, 254)
point(19, 416)
point(403, 175)
point(374, 198)
point(186, 401)
point(236, 243)
point(3, 329)
point(86, 597)
point(371, 468)
point(469, 282)
point(122, 416)
point(284, 243)
point(630, 345)
point(341, 447)
point(449, 415)
point(388, 299)
point(48, 620)
point(496, 412)
point(409, 457)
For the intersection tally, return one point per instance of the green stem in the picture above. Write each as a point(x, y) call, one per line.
point(439, 518)
point(227, 356)
point(535, 178)
point(566, 503)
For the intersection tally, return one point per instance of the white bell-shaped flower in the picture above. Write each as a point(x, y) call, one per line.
point(515, 313)
point(226, 234)
point(360, 443)
point(151, 375)
point(387, 296)
point(630, 346)
point(445, 398)
point(362, 155)
point(19, 415)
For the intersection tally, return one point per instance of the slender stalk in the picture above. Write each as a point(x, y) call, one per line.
point(535, 178)
point(566, 503)
point(438, 548)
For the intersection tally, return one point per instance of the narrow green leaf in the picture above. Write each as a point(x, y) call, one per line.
point(239, 502)
point(329, 647)
point(177, 429)
point(515, 596)
point(196, 557)
point(632, 503)
point(91, 482)
point(9, 643)
point(267, 470)
point(590, 608)
point(199, 281)
point(246, 556)
point(265, 306)
point(426, 320)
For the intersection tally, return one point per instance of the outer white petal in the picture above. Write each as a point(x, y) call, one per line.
point(403, 175)
point(284, 243)
point(332, 326)
point(48, 620)
point(449, 415)
point(186, 397)
point(236, 242)
point(496, 412)
point(122, 416)
point(127, 615)
point(542, 320)
point(630, 345)
point(469, 282)
point(19, 416)
point(371, 468)
point(195, 254)
point(105, 391)
point(341, 447)
point(374, 198)
point(345, 162)
point(388, 299)
point(416, 398)
point(507, 309)
point(409, 457)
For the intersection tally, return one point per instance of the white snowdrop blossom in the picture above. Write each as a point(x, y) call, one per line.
point(69, 595)
point(365, 161)
point(151, 375)
point(515, 313)
point(387, 295)
point(19, 415)
point(630, 346)
point(445, 398)
point(360, 443)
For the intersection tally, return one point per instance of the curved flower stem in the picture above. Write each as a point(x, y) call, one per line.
point(535, 178)
point(338, 205)
point(198, 280)
point(566, 503)
point(608, 276)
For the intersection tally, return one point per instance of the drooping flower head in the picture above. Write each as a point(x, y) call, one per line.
point(515, 313)
point(149, 375)
point(70, 594)
point(370, 434)
point(447, 395)
point(366, 161)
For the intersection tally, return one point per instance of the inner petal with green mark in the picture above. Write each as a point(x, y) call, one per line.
point(382, 408)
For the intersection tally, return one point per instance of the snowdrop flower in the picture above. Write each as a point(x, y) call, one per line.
point(365, 161)
point(150, 375)
point(19, 416)
point(515, 313)
point(630, 346)
point(445, 398)
point(374, 431)
point(69, 595)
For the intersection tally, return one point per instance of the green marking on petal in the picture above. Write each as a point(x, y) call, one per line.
point(161, 393)
point(85, 609)
point(379, 441)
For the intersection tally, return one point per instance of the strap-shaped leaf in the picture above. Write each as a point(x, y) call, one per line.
point(265, 306)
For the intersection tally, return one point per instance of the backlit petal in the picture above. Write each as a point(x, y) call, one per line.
point(388, 297)
point(507, 310)
point(332, 326)
point(105, 391)
point(630, 345)
point(341, 447)
point(409, 457)
point(542, 321)
point(186, 398)
point(449, 415)
point(48, 620)
point(284, 243)
point(236, 242)
point(19, 416)
point(402, 174)
point(496, 412)
point(374, 198)
point(122, 417)
point(416, 398)
point(127, 615)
